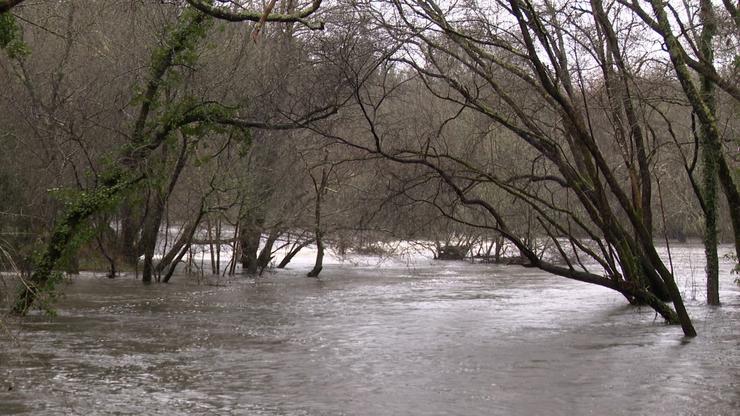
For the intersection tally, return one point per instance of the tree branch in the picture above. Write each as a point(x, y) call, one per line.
point(260, 16)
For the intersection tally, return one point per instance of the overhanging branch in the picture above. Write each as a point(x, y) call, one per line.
point(260, 16)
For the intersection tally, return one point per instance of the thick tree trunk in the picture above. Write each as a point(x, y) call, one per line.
point(99, 239)
point(711, 239)
point(319, 265)
point(128, 247)
point(250, 234)
point(655, 283)
point(263, 260)
point(149, 235)
point(711, 150)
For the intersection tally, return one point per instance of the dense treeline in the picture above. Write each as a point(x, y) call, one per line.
point(572, 137)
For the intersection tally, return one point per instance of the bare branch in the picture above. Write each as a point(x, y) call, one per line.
point(262, 16)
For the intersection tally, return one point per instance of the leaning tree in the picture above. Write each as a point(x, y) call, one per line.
point(560, 78)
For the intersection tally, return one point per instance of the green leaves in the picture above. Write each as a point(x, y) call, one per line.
point(11, 39)
point(178, 50)
point(245, 143)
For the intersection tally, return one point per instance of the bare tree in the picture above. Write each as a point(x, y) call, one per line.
point(526, 73)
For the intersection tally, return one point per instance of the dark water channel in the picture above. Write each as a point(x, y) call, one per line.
point(452, 339)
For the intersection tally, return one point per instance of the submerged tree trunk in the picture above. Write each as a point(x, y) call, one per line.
point(173, 265)
point(711, 150)
point(319, 188)
point(128, 247)
point(263, 260)
point(294, 250)
point(155, 213)
point(180, 247)
point(149, 234)
point(249, 239)
point(319, 264)
point(108, 257)
point(708, 126)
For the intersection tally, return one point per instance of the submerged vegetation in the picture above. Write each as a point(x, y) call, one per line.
point(566, 137)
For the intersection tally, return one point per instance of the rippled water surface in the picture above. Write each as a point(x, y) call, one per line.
point(431, 339)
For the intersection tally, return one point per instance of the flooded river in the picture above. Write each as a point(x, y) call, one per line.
point(426, 339)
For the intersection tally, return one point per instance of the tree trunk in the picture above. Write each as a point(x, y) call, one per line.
point(149, 234)
point(178, 250)
point(251, 232)
point(99, 239)
point(319, 242)
point(263, 260)
point(293, 251)
point(130, 227)
point(211, 250)
point(44, 279)
point(733, 199)
point(710, 156)
point(173, 265)
point(319, 265)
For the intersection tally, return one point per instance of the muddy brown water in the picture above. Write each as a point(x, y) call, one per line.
point(439, 338)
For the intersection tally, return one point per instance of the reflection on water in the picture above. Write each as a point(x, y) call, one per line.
point(439, 339)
